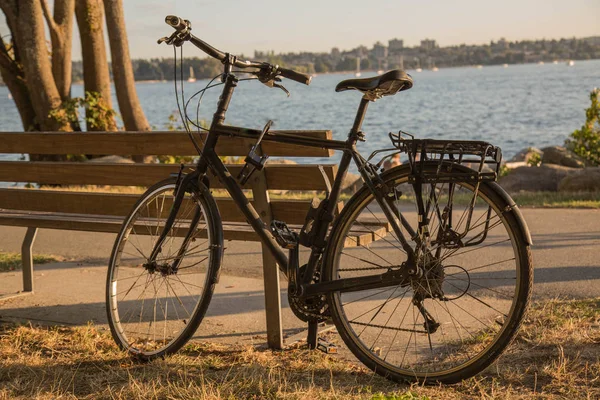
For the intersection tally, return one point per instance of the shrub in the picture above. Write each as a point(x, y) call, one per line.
point(585, 142)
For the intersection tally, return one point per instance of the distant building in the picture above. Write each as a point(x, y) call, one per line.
point(500, 45)
point(380, 51)
point(395, 46)
point(335, 54)
point(428, 44)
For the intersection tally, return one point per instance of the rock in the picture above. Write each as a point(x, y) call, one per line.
point(351, 183)
point(515, 164)
point(585, 180)
point(533, 179)
point(561, 156)
point(526, 154)
point(112, 159)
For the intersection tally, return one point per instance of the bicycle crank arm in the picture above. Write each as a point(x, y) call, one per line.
point(391, 278)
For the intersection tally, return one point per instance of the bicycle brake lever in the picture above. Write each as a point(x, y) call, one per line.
point(282, 88)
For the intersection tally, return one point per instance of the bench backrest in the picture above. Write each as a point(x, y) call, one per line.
point(273, 177)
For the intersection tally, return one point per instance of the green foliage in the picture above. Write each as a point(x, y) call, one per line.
point(12, 261)
point(585, 142)
point(504, 170)
point(535, 160)
point(99, 115)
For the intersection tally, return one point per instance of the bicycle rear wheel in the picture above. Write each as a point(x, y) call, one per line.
point(457, 318)
point(154, 308)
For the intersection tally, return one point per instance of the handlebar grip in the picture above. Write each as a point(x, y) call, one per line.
point(176, 22)
point(295, 76)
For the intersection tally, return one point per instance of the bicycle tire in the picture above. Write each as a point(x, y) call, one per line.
point(424, 369)
point(201, 263)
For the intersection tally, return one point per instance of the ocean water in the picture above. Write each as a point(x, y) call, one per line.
point(514, 107)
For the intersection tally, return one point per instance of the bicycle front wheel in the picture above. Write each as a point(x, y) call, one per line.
point(154, 308)
point(457, 318)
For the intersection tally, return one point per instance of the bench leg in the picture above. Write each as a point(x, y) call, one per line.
point(272, 301)
point(27, 259)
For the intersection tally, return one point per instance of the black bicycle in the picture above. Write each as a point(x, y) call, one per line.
point(436, 294)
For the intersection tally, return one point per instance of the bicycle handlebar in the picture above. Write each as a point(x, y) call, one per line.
point(184, 26)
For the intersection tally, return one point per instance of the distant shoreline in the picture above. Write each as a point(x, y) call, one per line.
point(370, 70)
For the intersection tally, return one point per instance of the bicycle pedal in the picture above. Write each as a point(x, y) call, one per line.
point(326, 347)
point(283, 235)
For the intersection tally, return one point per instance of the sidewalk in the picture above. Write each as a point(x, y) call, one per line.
point(73, 294)
point(566, 258)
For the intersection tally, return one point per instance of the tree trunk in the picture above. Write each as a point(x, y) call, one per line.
point(61, 33)
point(93, 51)
point(129, 104)
point(31, 42)
point(14, 78)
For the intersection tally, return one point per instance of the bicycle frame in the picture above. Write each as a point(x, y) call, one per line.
point(210, 160)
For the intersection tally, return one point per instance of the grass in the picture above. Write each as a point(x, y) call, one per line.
point(556, 356)
point(558, 199)
point(12, 261)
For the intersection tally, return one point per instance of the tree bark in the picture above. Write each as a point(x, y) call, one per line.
point(61, 33)
point(129, 104)
point(14, 78)
point(28, 27)
point(96, 77)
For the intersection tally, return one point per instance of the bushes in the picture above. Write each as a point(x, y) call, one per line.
point(585, 142)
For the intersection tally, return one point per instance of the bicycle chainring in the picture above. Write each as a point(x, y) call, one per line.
point(312, 308)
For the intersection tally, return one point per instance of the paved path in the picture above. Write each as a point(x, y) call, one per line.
point(566, 257)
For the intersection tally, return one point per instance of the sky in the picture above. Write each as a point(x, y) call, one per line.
point(242, 26)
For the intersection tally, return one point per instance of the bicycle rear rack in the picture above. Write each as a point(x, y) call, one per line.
point(470, 153)
point(482, 161)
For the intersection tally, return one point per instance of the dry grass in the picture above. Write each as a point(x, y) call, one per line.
point(556, 356)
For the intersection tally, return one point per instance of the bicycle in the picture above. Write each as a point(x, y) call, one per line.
point(437, 295)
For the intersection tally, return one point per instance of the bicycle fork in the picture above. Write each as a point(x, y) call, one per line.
point(180, 190)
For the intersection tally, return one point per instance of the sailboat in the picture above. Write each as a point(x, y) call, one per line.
point(418, 69)
point(192, 77)
point(357, 73)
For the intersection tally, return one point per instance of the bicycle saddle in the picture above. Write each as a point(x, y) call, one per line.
point(387, 84)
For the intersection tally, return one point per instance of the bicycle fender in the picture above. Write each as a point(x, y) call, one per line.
point(513, 208)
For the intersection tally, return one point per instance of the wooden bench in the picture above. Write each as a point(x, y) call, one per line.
point(104, 212)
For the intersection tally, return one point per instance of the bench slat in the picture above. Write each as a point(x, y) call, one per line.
point(104, 224)
point(112, 224)
point(279, 176)
point(147, 143)
point(291, 211)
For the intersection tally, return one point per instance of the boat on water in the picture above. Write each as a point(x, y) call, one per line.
point(479, 66)
point(541, 63)
point(192, 77)
point(435, 69)
point(505, 65)
point(570, 63)
point(357, 73)
point(555, 62)
point(419, 69)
